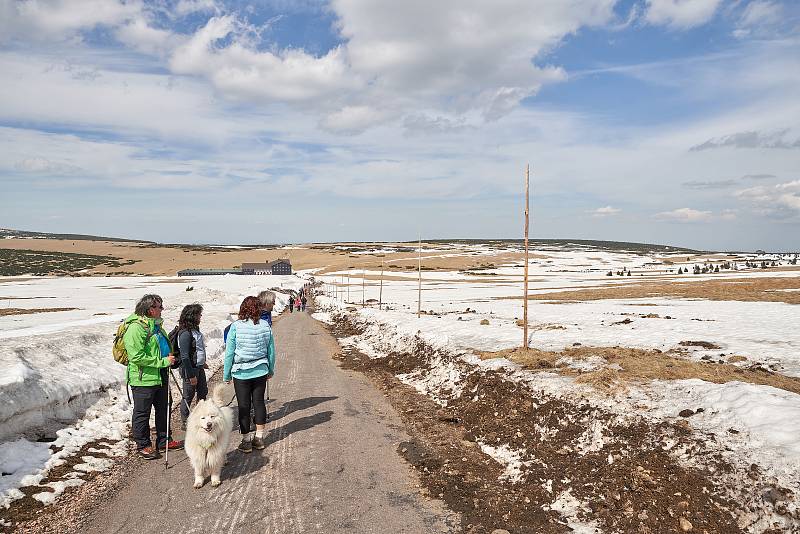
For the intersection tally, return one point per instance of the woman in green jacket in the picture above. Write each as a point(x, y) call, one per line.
point(149, 357)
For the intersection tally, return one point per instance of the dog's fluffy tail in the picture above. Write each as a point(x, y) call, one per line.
point(219, 395)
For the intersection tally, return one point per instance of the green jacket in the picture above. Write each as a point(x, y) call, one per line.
point(144, 360)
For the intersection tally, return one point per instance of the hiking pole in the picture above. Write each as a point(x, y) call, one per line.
point(169, 416)
point(179, 390)
point(266, 403)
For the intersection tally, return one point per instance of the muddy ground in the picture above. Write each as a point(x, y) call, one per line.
point(631, 484)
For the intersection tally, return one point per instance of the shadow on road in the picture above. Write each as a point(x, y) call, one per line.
point(304, 423)
point(257, 459)
point(297, 405)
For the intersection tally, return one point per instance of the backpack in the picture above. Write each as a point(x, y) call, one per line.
point(173, 342)
point(118, 350)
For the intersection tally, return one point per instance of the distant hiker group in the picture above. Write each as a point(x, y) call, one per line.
point(149, 353)
point(298, 301)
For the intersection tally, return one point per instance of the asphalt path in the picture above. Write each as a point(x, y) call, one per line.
point(331, 462)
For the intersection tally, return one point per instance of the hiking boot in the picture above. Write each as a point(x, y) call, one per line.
point(175, 445)
point(148, 453)
point(246, 446)
point(258, 443)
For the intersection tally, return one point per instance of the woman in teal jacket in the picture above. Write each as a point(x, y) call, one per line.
point(250, 361)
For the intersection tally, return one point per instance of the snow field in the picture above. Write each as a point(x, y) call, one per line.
point(764, 420)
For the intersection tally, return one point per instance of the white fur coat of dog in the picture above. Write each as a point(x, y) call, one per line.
point(208, 432)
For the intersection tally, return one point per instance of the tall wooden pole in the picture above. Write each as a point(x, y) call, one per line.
point(525, 295)
point(363, 287)
point(380, 293)
point(348, 285)
point(419, 270)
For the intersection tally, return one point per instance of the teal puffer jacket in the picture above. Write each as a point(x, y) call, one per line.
point(249, 351)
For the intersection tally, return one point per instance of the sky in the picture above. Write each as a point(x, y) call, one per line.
point(282, 121)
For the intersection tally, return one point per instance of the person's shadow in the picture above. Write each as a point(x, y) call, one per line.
point(256, 460)
point(296, 405)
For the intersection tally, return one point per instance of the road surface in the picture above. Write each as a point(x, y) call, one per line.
point(331, 463)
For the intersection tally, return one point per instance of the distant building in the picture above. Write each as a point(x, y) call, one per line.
point(280, 266)
point(207, 272)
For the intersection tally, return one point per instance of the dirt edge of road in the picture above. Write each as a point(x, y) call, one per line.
point(644, 489)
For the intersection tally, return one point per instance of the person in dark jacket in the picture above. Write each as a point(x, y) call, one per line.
point(192, 346)
point(267, 299)
point(291, 302)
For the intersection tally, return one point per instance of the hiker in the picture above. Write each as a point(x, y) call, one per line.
point(303, 301)
point(297, 302)
point(267, 299)
point(192, 348)
point(291, 302)
point(250, 361)
point(149, 359)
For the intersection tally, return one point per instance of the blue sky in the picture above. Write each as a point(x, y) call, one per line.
point(667, 121)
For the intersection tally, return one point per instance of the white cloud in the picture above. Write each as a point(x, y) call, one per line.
point(40, 165)
point(353, 119)
point(681, 14)
point(480, 53)
point(457, 58)
point(187, 7)
point(53, 20)
point(605, 211)
point(142, 37)
point(685, 215)
point(238, 70)
point(779, 200)
point(757, 17)
point(710, 184)
point(753, 139)
point(37, 91)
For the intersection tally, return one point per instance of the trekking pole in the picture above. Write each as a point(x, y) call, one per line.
point(169, 416)
point(179, 390)
point(266, 403)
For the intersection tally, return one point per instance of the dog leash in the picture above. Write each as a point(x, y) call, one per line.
point(180, 391)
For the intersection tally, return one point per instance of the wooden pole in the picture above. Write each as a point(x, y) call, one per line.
point(363, 282)
point(419, 285)
point(525, 295)
point(348, 285)
point(380, 293)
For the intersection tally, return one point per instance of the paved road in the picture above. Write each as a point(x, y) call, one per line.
point(330, 465)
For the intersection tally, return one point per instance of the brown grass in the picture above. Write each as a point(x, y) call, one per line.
point(162, 260)
point(741, 289)
point(27, 311)
point(641, 365)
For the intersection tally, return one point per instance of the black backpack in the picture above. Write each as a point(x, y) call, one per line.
point(173, 342)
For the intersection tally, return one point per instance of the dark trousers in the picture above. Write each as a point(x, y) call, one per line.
point(189, 391)
point(145, 398)
point(250, 393)
point(291, 307)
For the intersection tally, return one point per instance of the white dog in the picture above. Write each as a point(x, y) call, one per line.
point(208, 432)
